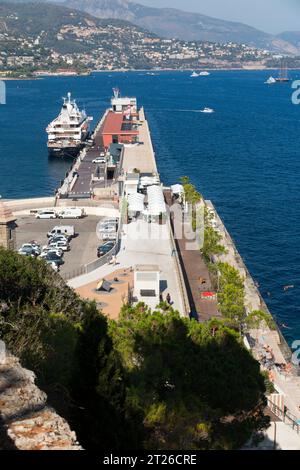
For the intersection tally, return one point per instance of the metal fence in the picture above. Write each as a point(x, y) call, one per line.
point(285, 416)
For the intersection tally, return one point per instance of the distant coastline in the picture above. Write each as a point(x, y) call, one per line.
point(39, 76)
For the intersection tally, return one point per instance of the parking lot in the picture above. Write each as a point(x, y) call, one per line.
point(83, 246)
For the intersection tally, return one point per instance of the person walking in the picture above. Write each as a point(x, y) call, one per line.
point(168, 298)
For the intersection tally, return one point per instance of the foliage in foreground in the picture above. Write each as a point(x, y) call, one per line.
point(150, 380)
point(185, 385)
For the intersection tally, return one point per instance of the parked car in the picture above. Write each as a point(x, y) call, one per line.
point(99, 160)
point(31, 246)
point(71, 213)
point(58, 238)
point(109, 236)
point(105, 248)
point(64, 246)
point(109, 228)
point(58, 251)
point(67, 230)
point(28, 251)
point(54, 258)
point(53, 265)
point(111, 221)
point(46, 214)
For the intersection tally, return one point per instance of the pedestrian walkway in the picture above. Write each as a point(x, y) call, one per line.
point(196, 274)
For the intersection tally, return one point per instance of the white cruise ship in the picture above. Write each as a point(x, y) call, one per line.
point(67, 132)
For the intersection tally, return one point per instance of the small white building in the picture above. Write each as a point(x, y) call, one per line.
point(147, 284)
point(120, 104)
point(131, 183)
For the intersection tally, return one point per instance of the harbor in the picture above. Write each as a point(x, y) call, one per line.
point(146, 262)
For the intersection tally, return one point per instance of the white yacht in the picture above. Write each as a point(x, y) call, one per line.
point(204, 73)
point(67, 132)
point(270, 81)
point(207, 110)
point(194, 74)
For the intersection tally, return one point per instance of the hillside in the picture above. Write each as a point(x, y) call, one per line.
point(173, 23)
point(48, 37)
point(292, 37)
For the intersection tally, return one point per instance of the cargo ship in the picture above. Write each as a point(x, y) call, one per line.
point(68, 131)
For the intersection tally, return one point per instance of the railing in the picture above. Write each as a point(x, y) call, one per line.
point(284, 415)
point(179, 274)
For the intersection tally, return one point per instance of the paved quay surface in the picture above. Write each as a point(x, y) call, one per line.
point(143, 243)
point(83, 184)
point(140, 156)
point(83, 247)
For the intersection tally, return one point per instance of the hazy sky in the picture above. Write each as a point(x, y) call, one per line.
point(272, 16)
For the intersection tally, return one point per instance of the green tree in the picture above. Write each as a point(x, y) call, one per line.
point(212, 245)
point(190, 385)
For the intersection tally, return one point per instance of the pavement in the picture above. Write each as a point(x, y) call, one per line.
point(111, 302)
point(83, 247)
point(143, 243)
point(279, 436)
point(140, 156)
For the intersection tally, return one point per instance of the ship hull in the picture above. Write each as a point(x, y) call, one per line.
point(66, 152)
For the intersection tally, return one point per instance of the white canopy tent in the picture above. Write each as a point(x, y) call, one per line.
point(177, 189)
point(146, 181)
point(135, 202)
point(156, 201)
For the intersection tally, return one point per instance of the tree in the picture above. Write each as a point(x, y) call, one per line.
point(192, 196)
point(257, 318)
point(212, 245)
point(189, 385)
point(99, 388)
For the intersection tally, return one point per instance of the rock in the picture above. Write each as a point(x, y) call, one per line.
point(26, 420)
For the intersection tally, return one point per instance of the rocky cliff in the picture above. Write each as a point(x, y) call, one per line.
point(27, 422)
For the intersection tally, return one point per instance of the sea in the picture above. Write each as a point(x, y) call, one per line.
point(245, 157)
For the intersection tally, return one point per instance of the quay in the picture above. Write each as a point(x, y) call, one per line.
point(147, 263)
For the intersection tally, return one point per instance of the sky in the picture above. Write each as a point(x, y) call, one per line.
point(272, 16)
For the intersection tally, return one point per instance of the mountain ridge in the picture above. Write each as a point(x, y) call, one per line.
point(171, 22)
point(183, 25)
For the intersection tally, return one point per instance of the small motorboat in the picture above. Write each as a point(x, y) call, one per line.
point(204, 74)
point(207, 110)
point(194, 74)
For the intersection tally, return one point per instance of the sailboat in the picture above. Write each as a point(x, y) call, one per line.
point(283, 74)
point(270, 81)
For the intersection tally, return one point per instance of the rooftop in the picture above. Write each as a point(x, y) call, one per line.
point(115, 123)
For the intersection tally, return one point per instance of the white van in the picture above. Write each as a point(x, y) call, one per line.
point(71, 213)
point(46, 214)
point(62, 229)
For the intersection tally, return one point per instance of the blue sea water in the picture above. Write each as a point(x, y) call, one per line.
point(245, 157)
